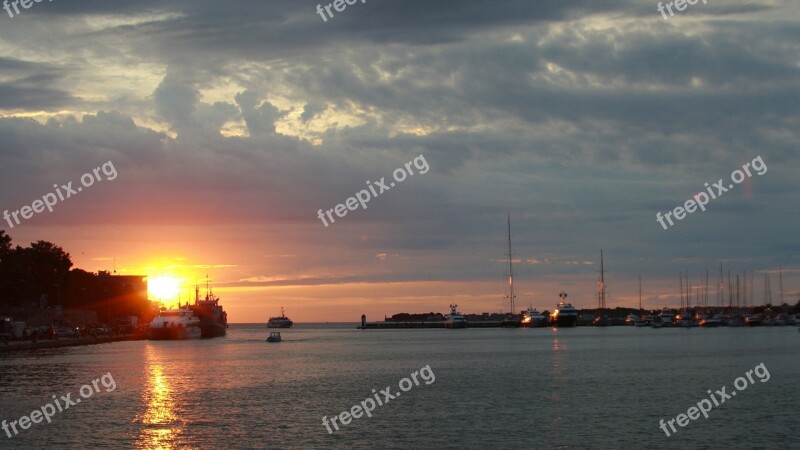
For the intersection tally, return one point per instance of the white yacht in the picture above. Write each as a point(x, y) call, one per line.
point(667, 319)
point(711, 322)
point(174, 324)
point(454, 319)
point(565, 315)
point(533, 318)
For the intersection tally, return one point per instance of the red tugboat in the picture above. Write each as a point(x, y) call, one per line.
point(213, 319)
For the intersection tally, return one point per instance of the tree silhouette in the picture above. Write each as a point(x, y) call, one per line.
point(28, 273)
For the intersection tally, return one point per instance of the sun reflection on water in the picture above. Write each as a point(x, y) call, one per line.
point(558, 385)
point(160, 425)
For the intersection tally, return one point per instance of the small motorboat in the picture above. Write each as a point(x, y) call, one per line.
point(274, 336)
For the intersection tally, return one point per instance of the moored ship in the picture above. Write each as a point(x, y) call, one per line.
point(565, 315)
point(213, 318)
point(174, 325)
point(712, 322)
point(454, 319)
point(533, 319)
point(280, 322)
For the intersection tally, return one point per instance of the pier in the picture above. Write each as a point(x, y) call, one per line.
point(424, 324)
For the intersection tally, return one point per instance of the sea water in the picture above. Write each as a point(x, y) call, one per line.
point(520, 388)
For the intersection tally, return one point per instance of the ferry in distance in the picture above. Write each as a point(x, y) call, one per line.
point(174, 325)
point(565, 315)
point(280, 322)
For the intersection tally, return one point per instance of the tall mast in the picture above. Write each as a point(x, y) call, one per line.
point(510, 268)
point(730, 291)
point(767, 290)
point(780, 281)
point(737, 290)
point(681, 275)
point(744, 289)
point(601, 289)
point(640, 293)
point(721, 288)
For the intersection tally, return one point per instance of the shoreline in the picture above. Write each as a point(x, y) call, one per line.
point(14, 346)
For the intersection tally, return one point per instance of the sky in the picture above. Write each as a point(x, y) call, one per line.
point(230, 125)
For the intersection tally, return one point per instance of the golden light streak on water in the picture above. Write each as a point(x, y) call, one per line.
point(161, 426)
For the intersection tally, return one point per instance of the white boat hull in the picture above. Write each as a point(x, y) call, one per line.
point(174, 333)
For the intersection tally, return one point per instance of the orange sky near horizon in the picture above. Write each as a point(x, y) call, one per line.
point(254, 285)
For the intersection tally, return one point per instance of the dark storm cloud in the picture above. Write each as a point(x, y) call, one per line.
point(26, 85)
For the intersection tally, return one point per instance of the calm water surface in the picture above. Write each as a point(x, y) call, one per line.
point(520, 388)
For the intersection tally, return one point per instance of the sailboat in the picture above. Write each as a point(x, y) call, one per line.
point(633, 319)
point(602, 319)
point(781, 319)
point(510, 320)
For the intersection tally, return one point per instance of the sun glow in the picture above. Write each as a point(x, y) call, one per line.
point(163, 288)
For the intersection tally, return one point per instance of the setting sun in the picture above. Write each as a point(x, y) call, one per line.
point(163, 288)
